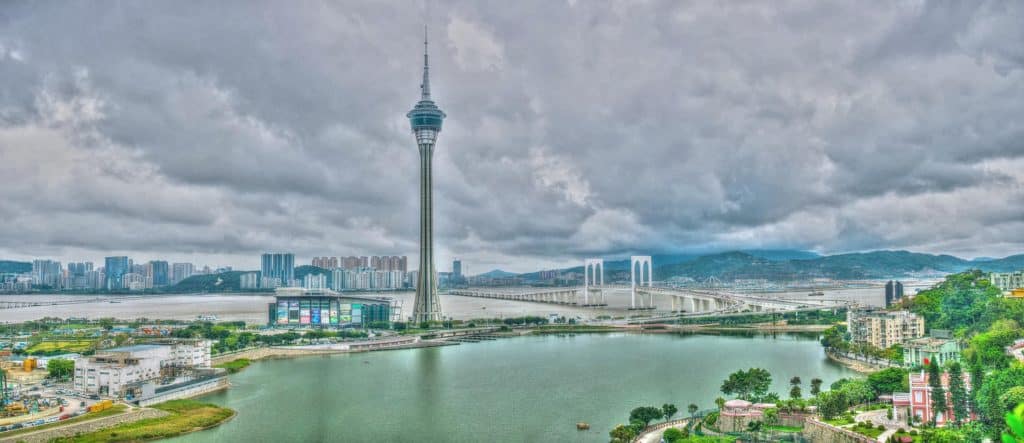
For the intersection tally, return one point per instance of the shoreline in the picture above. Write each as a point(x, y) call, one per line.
point(855, 365)
point(284, 352)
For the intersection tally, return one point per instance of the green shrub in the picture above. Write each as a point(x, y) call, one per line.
point(673, 435)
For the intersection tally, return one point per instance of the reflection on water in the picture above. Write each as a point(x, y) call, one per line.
point(532, 388)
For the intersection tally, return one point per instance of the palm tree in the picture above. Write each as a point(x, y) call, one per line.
point(692, 409)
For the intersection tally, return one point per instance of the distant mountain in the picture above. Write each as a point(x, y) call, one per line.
point(497, 273)
point(860, 265)
point(1005, 264)
point(724, 266)
point(782, 254)
point(15, 267)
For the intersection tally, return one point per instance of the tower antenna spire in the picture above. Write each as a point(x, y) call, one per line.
point(425, 86)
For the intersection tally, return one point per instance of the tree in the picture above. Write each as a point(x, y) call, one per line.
point(771, 416)
point(1015, 424)
point(692, 409)
point(668, 410)
point(645, 414)
point(958, 392)
point(832, 404)
point(60, 368)
point(673, 435)
point(889, 380)
point(1012, 397)
point(751, 384)
point(816, 386)
point(857, 391)
point(938, 393)
point(755, 426)
point(989, 346)
point(794, 390)
point(720, 402)
point(990, 405)
point(622, 434)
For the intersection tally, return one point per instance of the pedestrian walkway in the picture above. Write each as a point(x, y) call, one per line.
point(653, 433)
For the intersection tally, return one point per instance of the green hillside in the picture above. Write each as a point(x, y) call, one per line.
point(223, 282)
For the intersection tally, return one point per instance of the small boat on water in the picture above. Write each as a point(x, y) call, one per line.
point(582, 426)
point(816, 294)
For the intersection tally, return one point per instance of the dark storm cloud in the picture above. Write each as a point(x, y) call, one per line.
point(219, 130)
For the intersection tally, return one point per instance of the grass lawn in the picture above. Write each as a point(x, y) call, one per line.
point(116, 409)
point(60, 346)
point(786, 428)
point(839, 421)
point(185, 416)
point(235, 365)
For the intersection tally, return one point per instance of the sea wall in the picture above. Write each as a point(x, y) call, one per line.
point(819, 432)
point(271, 352)
point(195, 390)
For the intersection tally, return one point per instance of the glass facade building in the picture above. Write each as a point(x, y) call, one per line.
point(325, 311)
point(115, 268)
point(279, 266)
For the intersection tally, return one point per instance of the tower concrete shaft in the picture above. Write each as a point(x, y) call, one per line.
point(427, 305)
point(426, 119)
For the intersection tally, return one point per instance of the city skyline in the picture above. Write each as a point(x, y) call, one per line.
point(798, 138)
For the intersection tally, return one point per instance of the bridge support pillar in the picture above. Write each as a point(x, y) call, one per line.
point(644, 261)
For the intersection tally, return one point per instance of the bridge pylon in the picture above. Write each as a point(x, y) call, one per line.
point(635, 271)
point(593, 275)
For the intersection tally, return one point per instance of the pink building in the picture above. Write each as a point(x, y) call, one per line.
point(918, 401)
point(736, 414)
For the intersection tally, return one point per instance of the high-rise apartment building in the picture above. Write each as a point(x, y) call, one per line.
point(158, 271)
point(325, 262)
point(115, 268)
point(249, 280)
point(280, 266)
point(883, 329)
point(893, 292)
point(46, 272)
point(181, 271)
point(1007, 281)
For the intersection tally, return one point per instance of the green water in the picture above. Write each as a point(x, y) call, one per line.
point(525, 389)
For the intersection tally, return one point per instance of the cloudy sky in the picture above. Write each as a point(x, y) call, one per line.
point(213, 131)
